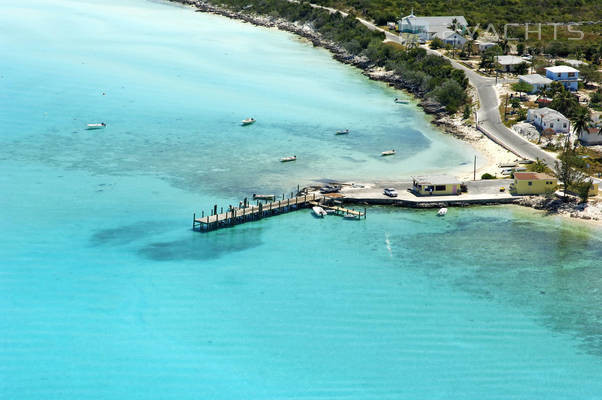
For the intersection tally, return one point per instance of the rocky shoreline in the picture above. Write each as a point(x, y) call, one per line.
point(571, 208)
point(338, 52)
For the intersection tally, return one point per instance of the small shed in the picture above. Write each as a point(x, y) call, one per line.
point(436, 185)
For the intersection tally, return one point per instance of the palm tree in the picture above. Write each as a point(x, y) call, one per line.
point(539, 166)
point(468, 47)
point(454, 27)
point(503, 43)
point(580, 121)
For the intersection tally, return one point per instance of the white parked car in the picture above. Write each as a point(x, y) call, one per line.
point(391, 192)
point(507, 171)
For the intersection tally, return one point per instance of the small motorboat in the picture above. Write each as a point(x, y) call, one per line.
point(247, 121)
point(400, 101)
point(264, 196)
point(288, 159)
point(96, 126)
point(319, 211)
point(388, 153)
point(442, 212)
point(350, 217)
point(343, 132)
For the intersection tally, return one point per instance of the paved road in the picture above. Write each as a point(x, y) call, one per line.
point(488, 114)
point(490, 122)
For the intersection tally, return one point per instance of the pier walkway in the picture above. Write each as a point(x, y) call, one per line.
point(240, 215)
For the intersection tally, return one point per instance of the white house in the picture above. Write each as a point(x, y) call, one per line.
point(564, 74)
point(535, 80)
point(544, 118)
point(451, 38)
point(575, 63)
point(427, 27)
point(485, 45)
point(591, 136)
point(509, 63)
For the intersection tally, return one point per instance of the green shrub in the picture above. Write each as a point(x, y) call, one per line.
point(487, 176)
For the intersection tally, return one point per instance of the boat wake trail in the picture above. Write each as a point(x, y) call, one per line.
point(388, 244)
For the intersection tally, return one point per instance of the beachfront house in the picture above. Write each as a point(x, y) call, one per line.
point(533, 183)
point(436, 185)
point(537, 81)
point(509, 63)
point(428, 27)
point(547, 118)
point(564, 74)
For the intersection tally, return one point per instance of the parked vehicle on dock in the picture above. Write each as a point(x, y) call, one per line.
point(391, 192)
point(330, 189)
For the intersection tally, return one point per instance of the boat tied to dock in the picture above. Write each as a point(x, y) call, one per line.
point(319, 211)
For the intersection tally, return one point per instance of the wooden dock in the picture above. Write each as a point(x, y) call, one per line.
point(240, 215)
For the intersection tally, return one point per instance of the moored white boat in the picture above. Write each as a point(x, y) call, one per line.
point(400, 101)
point(319, 211)
point(247, 121)
point(442, 211)
point(96, 126)
point(287, 159)
point(343, 132)
point(387, 153)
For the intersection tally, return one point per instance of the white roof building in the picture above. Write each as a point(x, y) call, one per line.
point(509, 63)
point(428, 27)
point(561, 69)
point(547, 118)
point(450, 37)
point(509, 60)
point(437, 180)
point(535, 80)
point(575, 63)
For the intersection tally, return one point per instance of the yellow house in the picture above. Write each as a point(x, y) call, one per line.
point(436, 185)
point(533, 183)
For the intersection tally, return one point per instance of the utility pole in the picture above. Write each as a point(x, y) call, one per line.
point(474, 176)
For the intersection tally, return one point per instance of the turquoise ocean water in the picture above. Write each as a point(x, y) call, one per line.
point(105, 293)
